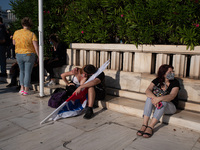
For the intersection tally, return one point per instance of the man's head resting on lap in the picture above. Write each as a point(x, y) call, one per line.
point(89, 70)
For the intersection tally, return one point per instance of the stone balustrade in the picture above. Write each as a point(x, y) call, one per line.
point(141, 59)
point(133, 68)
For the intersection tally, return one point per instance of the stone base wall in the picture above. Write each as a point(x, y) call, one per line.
point(138, 82)
point(133, 68)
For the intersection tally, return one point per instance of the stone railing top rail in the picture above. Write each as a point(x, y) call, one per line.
point(171, 49)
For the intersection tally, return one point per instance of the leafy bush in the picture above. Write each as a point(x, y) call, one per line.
point(53, 15)
point(133, 21)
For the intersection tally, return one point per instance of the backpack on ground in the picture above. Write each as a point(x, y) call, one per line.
point(57, 98)
point(60, 95)
point(58, 90)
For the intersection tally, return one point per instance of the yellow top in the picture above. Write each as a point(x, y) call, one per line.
point(24, 41)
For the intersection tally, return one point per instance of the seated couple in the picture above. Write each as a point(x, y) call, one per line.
point(96, 87)
point(162, 95)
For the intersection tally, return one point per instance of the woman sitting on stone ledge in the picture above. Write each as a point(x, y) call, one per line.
point(58, 58)
point(162, 94)
point(77, 78)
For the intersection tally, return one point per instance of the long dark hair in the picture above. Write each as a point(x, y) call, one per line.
point(162, 71)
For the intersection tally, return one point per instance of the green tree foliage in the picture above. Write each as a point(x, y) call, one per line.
point(133, 21)
point(53, 15)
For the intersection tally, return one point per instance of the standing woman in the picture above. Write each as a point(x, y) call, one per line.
point(161, 95)
point(26, 46)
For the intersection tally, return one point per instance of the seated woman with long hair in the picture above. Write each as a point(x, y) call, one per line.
point(161, 95)
point(77, 78)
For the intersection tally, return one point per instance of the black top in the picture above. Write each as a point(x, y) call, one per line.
point(173, 83)
point(60, 53)
point(101, 85)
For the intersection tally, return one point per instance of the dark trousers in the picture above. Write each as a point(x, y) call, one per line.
point(11, 50)
point(14, 77)
point(3, 59)
point(49, 66)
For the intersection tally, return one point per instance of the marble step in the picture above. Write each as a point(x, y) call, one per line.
point(187, 105)
point(134, 107)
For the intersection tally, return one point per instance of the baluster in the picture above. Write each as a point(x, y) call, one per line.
point(127, 61)
point(74, 57)
point(179, 64)
point(69, 57)
point(142, 62)
point(115, 61)
point(113, 57)
point(82, 58)
point(102, 57)
point(160, 60)
point(91, 58)
point(195, 66)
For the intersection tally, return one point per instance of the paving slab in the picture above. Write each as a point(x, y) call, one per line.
point(128, 106)
point(108, 136)
point(102, 116)
point(9, 130)
point(45, 138)
point(165, 136)
point(20, 129)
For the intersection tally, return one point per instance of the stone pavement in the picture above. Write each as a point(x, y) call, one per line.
point(20, 129)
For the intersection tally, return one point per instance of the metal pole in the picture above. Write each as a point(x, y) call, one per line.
point(41, 44)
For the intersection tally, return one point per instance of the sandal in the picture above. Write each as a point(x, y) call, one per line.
point(148, 134)
point(141, 132)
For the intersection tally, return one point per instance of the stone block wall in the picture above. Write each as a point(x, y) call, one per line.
point(133, 68)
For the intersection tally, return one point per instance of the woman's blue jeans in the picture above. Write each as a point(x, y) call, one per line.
point(26, 63)
point(168, 108)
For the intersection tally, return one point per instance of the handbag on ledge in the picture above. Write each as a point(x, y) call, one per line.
point(159, 92)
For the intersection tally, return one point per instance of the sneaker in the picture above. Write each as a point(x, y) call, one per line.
point(21, 92)
point(48, 78)
point(51, 83)
point(89, 113)
point(25, 93)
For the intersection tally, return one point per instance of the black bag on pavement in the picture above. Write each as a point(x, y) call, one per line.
point(57, 98)
point(60, 95)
